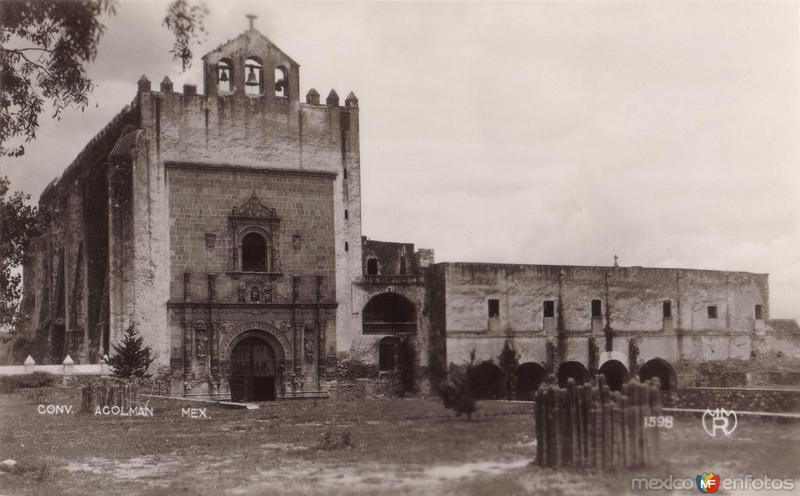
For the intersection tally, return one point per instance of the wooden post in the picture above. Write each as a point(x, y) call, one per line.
point(558, 441)
point(580, 453)
point(540, 438)
point(572, 412)
point(657, 411)
point(626, 448)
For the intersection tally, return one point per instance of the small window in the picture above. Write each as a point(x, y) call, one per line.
point(759, 312)
point(345, 173)
point(387, 353)
point(346, 214)
point(597, 309)
point(254, 253)
point(281, 81)
point(712, 312)
point(549, 309)
point(494, 308)
point(667, 309)
point(372, 267)
point(346, 246)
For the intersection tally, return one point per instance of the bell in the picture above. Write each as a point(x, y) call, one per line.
point(252, 80)
point(280, 84)
point(223, 76)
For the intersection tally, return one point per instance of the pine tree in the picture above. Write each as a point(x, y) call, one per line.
point(131, 357)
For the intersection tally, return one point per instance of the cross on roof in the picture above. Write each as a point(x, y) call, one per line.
point(251, 18)
point(615, 261)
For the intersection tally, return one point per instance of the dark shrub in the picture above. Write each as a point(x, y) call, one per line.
point(356, 369)
point(32, 380)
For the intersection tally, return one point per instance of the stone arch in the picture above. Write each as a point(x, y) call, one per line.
point(486, 380)
point(273, 336)
point(281, 81)
point(614, 355)
point(616, 374)
point(389, 313)
point(253, 76)
point(573, 370)
point(225, 76)
point(529, 376)
point(658, 367)
point(387, 353)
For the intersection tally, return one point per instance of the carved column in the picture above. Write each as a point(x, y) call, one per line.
point(320, 335)
point(297, 352)
point(213, 334)
point(187, 334)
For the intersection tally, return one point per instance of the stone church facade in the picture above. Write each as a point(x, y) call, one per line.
point(227, 225)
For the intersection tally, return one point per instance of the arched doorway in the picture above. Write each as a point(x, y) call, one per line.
point(658, 367)
point(256, 371)
point(486, 380)
point(616, 374)
point(387, 353)
point(389, 313)
point(529, 376)
point(573, 370)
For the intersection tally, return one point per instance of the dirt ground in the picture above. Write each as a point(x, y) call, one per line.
point(391, 447)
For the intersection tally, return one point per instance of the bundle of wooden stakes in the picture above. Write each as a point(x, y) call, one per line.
point(592, 427)
point(125, 396)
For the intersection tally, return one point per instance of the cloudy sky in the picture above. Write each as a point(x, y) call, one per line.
point(556, 133)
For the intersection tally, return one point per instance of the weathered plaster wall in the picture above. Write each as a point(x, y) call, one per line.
point(66, 275)
point(632, 299)
point(268, 132)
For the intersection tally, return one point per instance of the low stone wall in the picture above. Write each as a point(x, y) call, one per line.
point(737, 399)
point(65, 370)
point(383, 386)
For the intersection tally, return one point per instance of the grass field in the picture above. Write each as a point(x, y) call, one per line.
point(391, 447)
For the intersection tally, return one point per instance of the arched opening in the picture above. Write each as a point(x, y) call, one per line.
point(486, 381)
point(224, 76)
point(372, 267)
point(389, 313)
point(387, 353)
point(529, 376)
point(658, 367)
point(574, 370)
point(255, 253)
point(254, 77)
point(256, 371)
point(616, 374)
point(281, 82)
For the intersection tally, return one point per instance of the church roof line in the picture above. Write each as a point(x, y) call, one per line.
point(231, 41)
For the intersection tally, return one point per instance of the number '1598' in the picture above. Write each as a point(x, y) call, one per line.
point(658, 421)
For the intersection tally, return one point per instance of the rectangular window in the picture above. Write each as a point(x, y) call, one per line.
point(597, 309)
point(549, 309)
point(712, 312)
point(667, 309)
point(494, 308)
point(759, 312)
